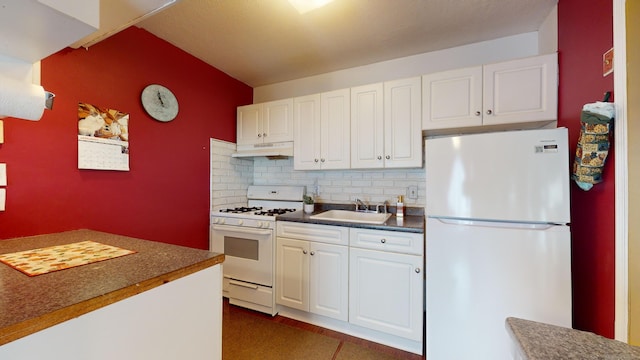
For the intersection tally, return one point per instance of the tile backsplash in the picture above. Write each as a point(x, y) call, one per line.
point(231, 177)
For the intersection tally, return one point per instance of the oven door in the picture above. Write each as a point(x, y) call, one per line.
point(248, 253)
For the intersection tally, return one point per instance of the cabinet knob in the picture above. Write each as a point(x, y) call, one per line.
point(322, 160)
point(264, 134)
point(383, 240)
point(478, 113)
point(259, 135)
point(417, 270)
point(304, 252)
point(379, 157)
point(489, 112)
point(312, 253)
point(315, 160)
point(387, 157)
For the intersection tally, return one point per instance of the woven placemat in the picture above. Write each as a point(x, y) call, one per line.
point(45, 260)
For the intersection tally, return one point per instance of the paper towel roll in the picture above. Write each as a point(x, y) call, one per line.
point(21, 99)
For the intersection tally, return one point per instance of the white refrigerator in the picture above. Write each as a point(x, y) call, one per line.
point(498, 242)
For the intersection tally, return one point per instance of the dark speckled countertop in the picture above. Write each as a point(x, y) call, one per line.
point(30, 304)
point(412, 222)
point(538, 341)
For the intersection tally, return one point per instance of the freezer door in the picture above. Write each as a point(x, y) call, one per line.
point(478, 274)
point(520, 176)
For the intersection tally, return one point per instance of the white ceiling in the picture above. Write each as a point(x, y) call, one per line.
point(262, 42)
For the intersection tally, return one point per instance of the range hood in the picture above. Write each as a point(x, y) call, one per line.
point(271, 150)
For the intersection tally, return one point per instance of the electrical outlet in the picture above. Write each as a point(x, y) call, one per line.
point(412, 192)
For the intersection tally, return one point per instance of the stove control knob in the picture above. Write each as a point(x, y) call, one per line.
point(221, 221)
point(261, 224)
point(240, 222)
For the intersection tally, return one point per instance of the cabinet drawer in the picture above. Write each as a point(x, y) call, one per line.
point(393, 241)
point(313, 232)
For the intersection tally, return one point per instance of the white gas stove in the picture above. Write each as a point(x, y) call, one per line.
point(246, 235)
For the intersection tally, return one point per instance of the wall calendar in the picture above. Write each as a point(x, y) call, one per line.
point(103, 138)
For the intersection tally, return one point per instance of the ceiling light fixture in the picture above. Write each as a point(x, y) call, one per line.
point(304, 6)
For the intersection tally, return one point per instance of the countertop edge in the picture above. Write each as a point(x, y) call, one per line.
point(33, 325)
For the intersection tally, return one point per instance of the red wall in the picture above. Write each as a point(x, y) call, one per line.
point(585, 32)
point(165, 196)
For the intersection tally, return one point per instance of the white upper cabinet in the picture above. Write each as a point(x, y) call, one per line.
point(268, 122)
point(322, 128)
point(521, 90)
point(367, 126)
point(385, 125)
point(31, 30)
point(402, 123)
point(511, 92)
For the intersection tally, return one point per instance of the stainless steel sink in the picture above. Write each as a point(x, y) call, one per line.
point(352, 216)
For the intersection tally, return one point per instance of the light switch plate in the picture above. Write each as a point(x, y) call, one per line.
point(3, 198)
point(3, 174)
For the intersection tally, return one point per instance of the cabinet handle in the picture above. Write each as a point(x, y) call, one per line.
point(259, 135)
point(383, 240)
point(387, 157)
point(379, 157)
point(417, 270)
point(312, 253)
point(304, 252)
point(489, 112)
point(478, 113)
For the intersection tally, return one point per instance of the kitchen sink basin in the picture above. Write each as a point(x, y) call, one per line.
point(352, 216)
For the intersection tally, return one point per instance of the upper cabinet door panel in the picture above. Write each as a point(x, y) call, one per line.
point(306, 139)
point(452, 98)
point(336, 129)
point(402, 123)
point(521, 90)
point(249, 123)
point(367, 131)
point(277, 121)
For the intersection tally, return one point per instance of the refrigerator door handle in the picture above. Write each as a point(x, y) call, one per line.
point(497, 224)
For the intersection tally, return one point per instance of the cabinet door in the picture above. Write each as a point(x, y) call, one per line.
point(277, 121)
point(329, 279)
point(306, 140)
point(403, 123)
point(452, 99)
point(521, 90)
point(249, 124)
point(292, 273)
point(367, 130)
point(335, 129)
point(386, 292)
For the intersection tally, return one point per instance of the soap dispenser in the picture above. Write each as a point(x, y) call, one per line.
point(400, 206)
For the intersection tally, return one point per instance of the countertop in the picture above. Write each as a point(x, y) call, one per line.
point(538, 341)
point(30, 304)
point(412, 221)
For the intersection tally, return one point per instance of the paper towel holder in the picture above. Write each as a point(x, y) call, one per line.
point(48, 100)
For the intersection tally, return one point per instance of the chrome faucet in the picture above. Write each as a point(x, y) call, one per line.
point(360, 204)
point(383, 204)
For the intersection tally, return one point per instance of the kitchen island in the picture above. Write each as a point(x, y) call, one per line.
point(538, 341)
point(163, 302)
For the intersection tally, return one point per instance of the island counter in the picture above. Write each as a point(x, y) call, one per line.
point(162, 296)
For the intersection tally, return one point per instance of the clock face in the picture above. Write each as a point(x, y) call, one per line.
point(159, 102)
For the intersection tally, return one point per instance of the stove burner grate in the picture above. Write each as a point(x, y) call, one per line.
point(239, 210)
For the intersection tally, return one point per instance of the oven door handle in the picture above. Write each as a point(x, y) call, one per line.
point(242, 284)
point(243, 230)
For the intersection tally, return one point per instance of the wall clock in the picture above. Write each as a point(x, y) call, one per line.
point(159, 102)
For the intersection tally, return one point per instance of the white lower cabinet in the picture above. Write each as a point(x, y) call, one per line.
point(386, 288)
point(370, 280)
point(313, 276)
